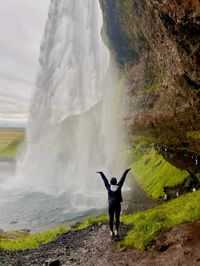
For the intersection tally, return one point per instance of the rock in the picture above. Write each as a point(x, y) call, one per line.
point(157, 46)
point(53, 263)
point(186, 252)
point(162, 247)
point(14, 222)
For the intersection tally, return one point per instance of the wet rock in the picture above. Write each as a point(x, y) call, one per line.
point(186, 252)
point(188, 239)
point(14, 222)
point(161, 63)
point(18, 263)
point(53, 263)
point(162, 247)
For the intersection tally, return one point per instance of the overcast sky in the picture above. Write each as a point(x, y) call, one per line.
point(22, 25)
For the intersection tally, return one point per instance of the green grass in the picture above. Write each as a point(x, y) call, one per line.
point(21, 239)
point(31, 241)
point(7, 136)
point(146, 225)
point(89, 221)
point(11, 149)
point(3, 146)
point(153, 173)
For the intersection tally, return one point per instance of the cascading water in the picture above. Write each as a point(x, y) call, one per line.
point(72, 130)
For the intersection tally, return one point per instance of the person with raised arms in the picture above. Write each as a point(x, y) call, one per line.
point(114, 199)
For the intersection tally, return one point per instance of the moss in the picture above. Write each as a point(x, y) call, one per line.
point(119, 92)
point(193, 135)
point(146, 225)
point(117, 15)
point(127, 7)
point(31, 241)
point(155, 85)
point(23, 240)
point(89, 221)
point(153, 173)
point(138, 140)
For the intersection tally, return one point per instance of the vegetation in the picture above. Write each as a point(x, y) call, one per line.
point(22, 241)
point(89, 221)
point(10, 140)
point(147, 224)
point(154, 173)
point(194, 134)
point(156, 85)
point(12, 148)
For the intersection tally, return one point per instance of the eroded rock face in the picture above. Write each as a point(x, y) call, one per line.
point(157, 44)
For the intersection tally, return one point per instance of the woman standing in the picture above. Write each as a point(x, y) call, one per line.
point(114, 199)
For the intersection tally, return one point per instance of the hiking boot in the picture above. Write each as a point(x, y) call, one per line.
point(116, 232)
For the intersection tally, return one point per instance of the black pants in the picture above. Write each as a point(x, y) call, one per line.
point(114, 209)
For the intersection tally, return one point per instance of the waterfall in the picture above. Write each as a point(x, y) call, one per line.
point(72, 130)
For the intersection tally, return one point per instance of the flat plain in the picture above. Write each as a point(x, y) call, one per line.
point(10, 139)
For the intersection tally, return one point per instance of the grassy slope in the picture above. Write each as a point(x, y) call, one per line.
point(153, 173)
point(148, 224)
point(31, 241)
point(19, 240)
point(89, 221)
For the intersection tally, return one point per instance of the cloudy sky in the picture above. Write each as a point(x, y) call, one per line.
point(22, 25)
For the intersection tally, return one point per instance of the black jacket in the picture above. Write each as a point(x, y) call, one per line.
point(116, 195)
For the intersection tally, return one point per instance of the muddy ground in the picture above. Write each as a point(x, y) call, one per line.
point(93, 246)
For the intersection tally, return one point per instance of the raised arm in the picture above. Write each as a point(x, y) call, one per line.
point(121, 181)
point(105, 180)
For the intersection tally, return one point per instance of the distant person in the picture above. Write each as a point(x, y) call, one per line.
point(196, 160)
point(193, 189)
point(165, 197)
point(114, 199)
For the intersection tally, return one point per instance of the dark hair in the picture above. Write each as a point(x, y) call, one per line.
point(113, 181)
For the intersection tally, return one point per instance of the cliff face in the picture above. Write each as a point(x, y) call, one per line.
point(157, 44)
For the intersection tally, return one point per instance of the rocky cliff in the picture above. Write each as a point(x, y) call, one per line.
point(157, 45)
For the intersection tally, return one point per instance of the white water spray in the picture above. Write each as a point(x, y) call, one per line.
point(72, 131)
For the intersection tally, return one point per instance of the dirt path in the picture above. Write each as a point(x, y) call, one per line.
point(93, 246)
